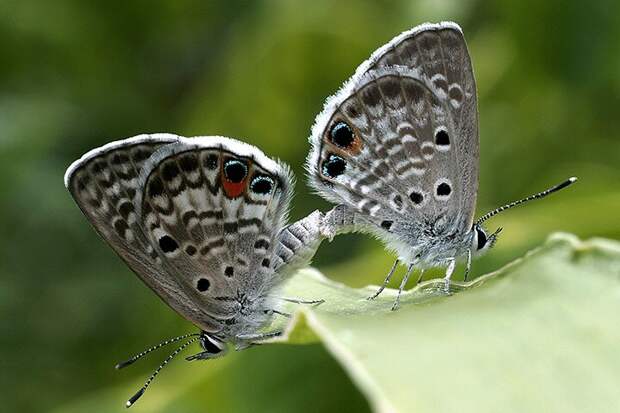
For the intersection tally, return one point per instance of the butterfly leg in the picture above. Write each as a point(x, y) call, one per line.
point(402, 286)
point(249, 340)
point(449, 272)
point(385, 282)
point(287, 315)
point(420, 276)
point(299, 301)
point(468, 265)
point(260, 336)
point(204, 355)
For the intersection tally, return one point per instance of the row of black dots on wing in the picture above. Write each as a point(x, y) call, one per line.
point(163, 191)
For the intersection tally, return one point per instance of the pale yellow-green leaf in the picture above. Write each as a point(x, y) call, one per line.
point(540, 334)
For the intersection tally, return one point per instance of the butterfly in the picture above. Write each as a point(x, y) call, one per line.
point(201, 221)
point(397, 149)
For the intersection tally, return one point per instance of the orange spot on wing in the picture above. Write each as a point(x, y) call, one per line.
point(354, 148)
point(233, 190)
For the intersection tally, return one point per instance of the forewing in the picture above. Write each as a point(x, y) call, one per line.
point(412, 109)
point(228, 224)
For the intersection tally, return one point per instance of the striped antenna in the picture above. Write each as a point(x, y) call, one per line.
point(140, 392)
point(539, 195)
point(155, 347)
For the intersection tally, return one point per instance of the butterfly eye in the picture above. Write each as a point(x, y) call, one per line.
point(342, 135)
point(210, 345)
point(334, 166)
point(261, 185)
point(482, 238)
point(235, 170)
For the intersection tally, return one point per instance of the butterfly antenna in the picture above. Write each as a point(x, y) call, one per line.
point(539, 195)
point(140, 392)
point(155, 347)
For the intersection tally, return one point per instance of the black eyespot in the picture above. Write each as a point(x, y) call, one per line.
point(416, 197)
point(168, 244)
point(387, 224)
point(342, 135)
point(443, 189)
point(235, 170)
point(190, 250)
point(482, 238)
point(261, 185)
point(442, 138)
point(334, 166)
point(229, 271)
point(203, 285)
point(266, 263)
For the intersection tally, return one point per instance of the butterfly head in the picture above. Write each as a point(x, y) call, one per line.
point(212, 344)
point(481, 240)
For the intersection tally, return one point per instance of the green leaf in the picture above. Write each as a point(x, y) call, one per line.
point(542, 333)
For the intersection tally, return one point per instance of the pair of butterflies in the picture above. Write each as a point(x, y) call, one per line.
point(202, 221)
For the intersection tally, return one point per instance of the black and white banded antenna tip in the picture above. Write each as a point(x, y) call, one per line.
point(539, 195)
point(194, 337)
point(146, 385)
point(151, 349)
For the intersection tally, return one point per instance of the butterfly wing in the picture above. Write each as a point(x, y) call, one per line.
point(196, 232)
point(439, 53)
point(215, 207)
point(399, 142)
point(105, 184)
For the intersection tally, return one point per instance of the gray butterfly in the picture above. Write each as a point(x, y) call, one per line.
point(397, 148)
point(201, 222)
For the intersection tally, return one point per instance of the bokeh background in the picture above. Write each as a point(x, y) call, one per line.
point(77, 74)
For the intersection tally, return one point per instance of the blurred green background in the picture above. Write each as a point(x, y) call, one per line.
point(77, 74)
